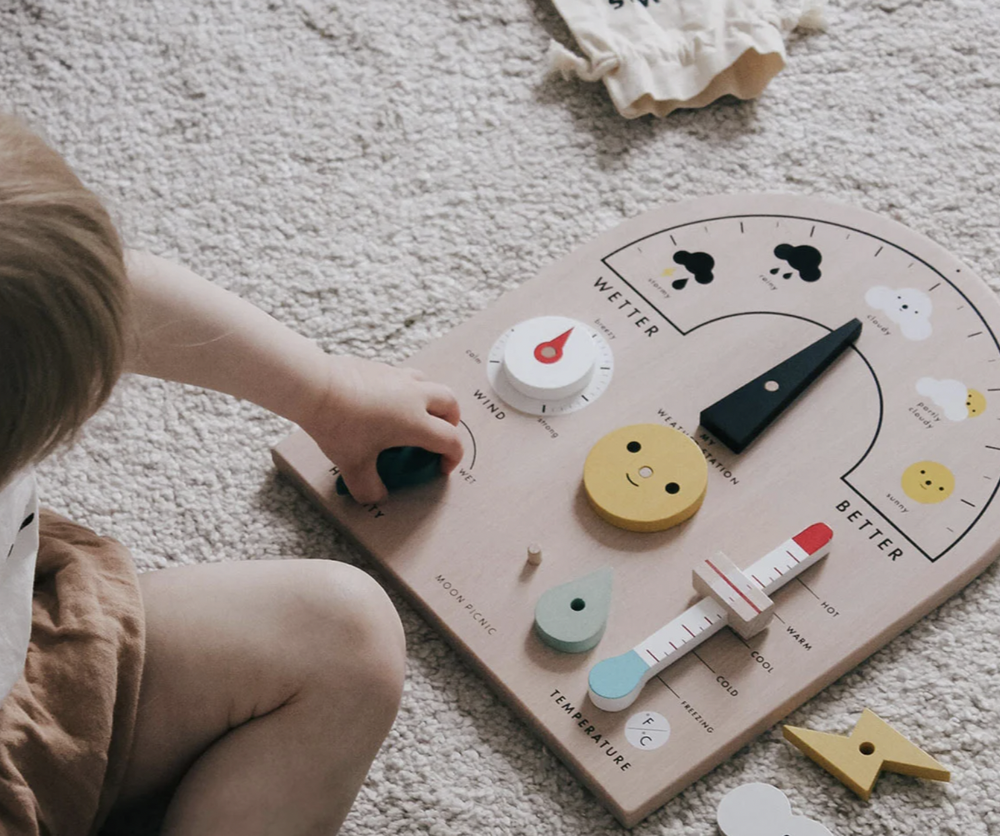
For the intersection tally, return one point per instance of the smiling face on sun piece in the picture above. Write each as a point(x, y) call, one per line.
point(645, 477)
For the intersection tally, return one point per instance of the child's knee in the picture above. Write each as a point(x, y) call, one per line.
point(348, 630)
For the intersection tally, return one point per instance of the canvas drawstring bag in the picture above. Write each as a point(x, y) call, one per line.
point(655, 56)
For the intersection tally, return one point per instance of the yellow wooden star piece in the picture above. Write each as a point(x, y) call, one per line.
point(858, 759)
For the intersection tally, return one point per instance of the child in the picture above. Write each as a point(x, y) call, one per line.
point(256, 693)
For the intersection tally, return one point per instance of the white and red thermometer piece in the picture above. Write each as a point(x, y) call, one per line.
point(735, 598)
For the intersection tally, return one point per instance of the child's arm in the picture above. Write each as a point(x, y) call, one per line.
point(192, 331)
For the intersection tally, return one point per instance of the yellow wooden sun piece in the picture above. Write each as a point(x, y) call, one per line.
point(858, 759)
point(645, 477)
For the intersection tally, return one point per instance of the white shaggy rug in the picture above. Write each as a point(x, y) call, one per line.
point(372, 173)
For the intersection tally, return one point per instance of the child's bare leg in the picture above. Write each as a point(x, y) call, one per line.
point(268, 689)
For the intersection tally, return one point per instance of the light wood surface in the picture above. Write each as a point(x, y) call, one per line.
point(457, 547)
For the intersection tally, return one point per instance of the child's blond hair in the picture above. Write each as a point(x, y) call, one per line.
point(64, 300)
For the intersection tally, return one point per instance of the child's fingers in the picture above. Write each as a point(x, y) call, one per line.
point(364, 483)
point(441, 437)
point(441, 403)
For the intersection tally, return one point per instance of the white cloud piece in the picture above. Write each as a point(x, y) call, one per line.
point(950, 395)
point(908, 307)
point(763, 810)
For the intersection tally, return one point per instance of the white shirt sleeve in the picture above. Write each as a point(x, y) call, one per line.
point(18, 551)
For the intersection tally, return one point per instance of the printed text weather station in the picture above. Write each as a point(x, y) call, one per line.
point(739, 443)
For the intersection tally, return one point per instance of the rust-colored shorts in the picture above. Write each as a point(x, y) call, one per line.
point(66, 727)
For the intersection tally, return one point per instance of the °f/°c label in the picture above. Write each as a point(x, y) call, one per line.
point(647, 730)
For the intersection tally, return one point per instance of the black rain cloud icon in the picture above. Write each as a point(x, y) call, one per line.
point(803, 260)
point(699, 265)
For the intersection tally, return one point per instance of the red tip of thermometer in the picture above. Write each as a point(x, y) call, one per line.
point(814, 538)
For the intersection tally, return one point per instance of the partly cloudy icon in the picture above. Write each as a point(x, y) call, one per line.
point(763, 810)
point(951, 395)
point(908, 307)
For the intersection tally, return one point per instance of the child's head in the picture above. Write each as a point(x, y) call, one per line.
point(63, 300)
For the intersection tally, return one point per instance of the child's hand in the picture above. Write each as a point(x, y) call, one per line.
point(192, 331)
point(367, 407)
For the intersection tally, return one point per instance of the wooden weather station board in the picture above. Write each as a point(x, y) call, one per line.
point(895, 449)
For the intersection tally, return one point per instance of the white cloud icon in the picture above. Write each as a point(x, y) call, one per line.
point(950, 395)
point(763, 810)
point(908, 307)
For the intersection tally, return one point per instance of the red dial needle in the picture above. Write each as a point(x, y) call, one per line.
point(551, 351)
